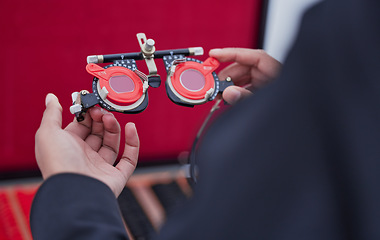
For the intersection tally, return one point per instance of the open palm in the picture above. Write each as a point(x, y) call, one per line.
point(90, 147)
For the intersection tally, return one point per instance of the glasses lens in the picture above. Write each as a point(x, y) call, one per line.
point(192, 80)
point(122, 84)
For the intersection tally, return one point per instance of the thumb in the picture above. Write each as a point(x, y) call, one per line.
point(53, 113)
point(233, 94)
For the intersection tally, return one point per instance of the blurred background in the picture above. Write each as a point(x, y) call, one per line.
point(44, 45)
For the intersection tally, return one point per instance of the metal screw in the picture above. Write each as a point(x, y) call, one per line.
point(149, 45)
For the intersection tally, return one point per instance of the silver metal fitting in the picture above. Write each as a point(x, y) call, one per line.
point(103, 93)
point(95, 59)
point(76, 108)
point(149, 44)
point(196, 51)
point(209, 93)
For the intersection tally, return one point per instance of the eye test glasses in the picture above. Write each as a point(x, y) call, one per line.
point(121, 87)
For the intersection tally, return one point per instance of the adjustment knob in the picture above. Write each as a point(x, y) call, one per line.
point(149, 45)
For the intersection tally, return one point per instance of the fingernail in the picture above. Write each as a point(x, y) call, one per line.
point(131, 125)
point(48, 98)
point(215, 51)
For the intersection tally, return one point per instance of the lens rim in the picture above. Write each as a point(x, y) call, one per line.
point(175, 80)
point(125, 97)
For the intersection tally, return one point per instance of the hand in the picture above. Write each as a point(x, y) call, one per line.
point(89, 147)
point(251, 68)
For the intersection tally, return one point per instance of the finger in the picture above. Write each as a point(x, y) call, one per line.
point(52, 117)
point(84, 128)
point(81, 129)
point(111, 139)
point(233, 94)
point(258, 78)
point(240, 55)
point(240, 74)
point(129, 158)
point(95, 138)
point(251, 57)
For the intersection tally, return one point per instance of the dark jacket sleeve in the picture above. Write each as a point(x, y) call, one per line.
point(71, 206)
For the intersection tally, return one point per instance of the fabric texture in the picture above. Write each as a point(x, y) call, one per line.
point(72, 206)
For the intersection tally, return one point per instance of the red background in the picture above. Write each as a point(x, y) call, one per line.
point(44, 45)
